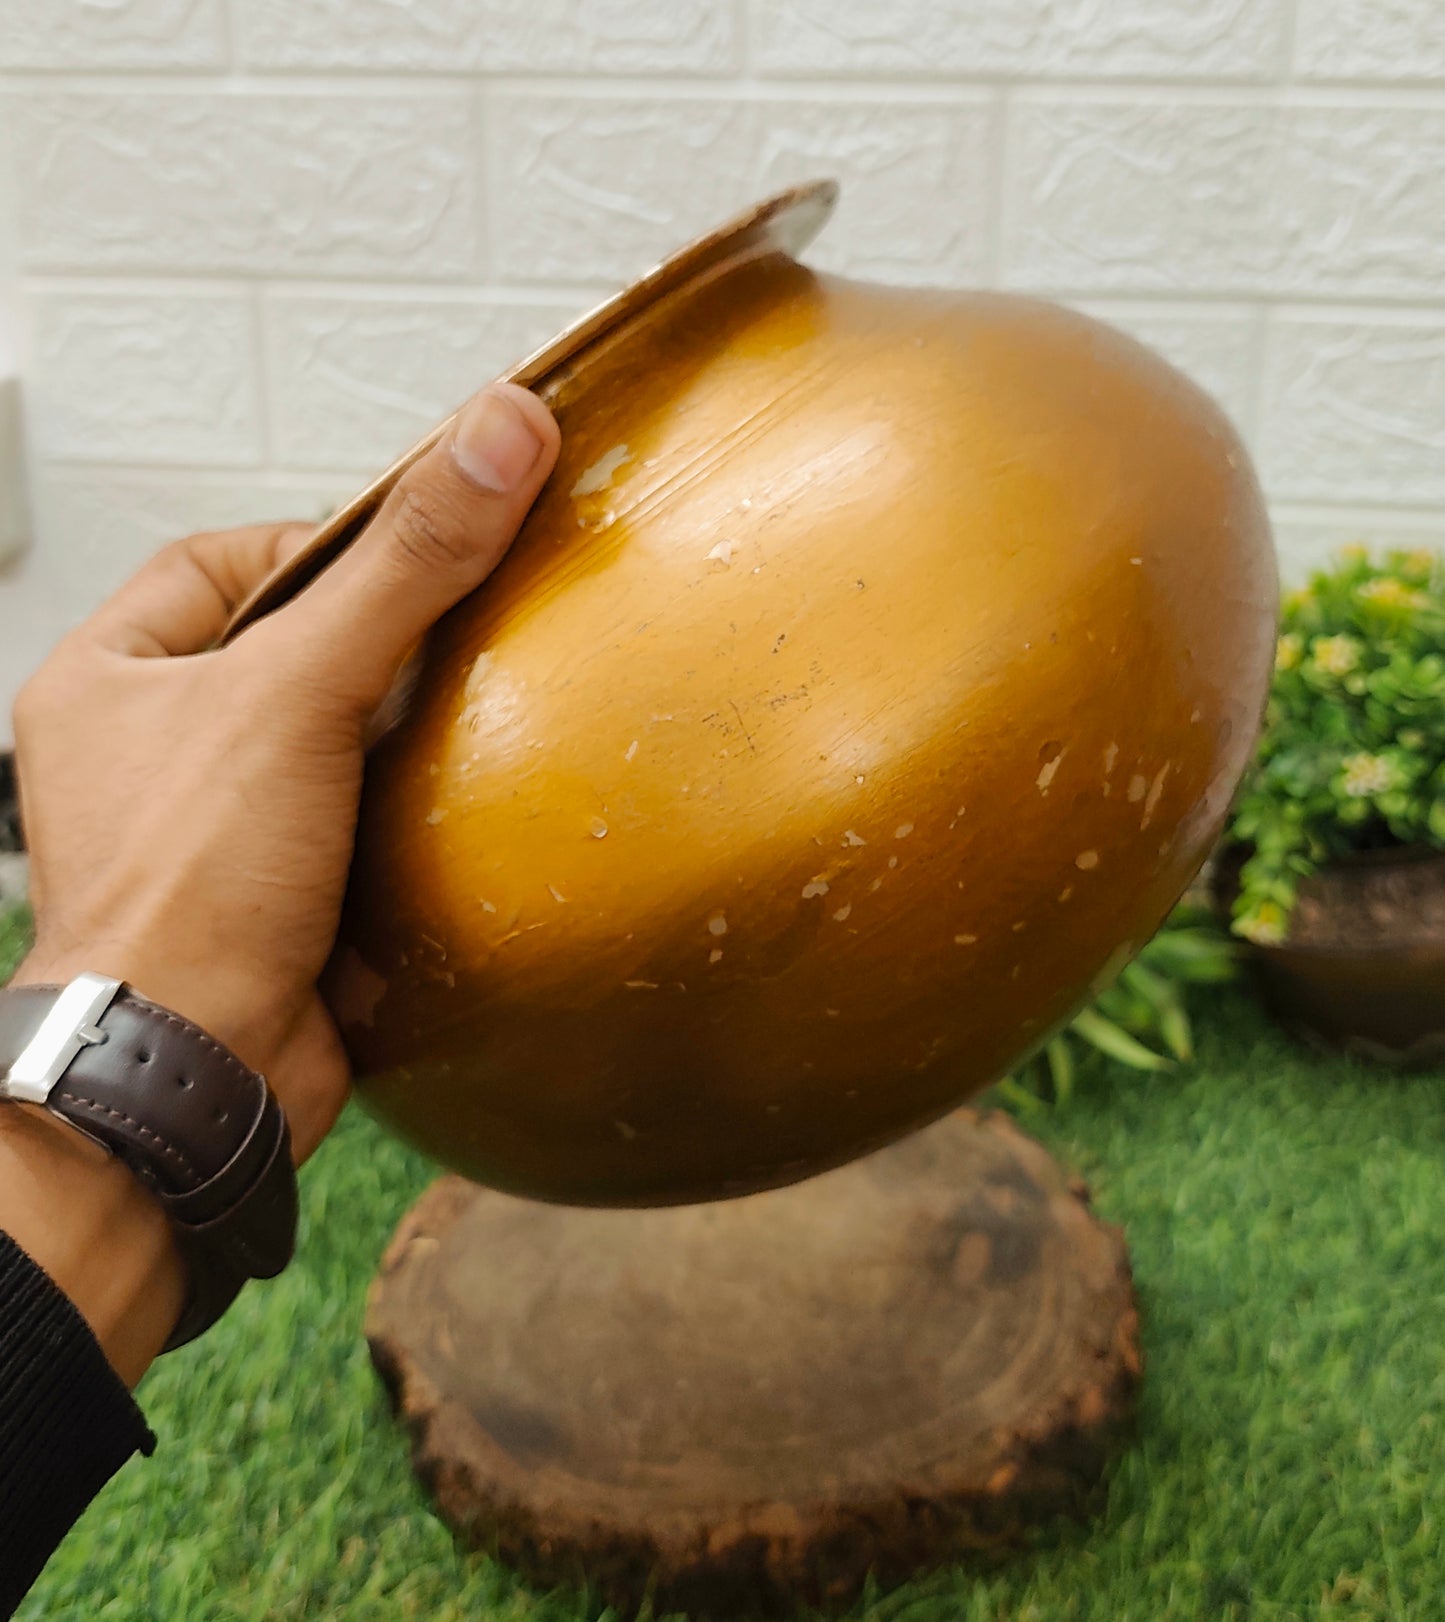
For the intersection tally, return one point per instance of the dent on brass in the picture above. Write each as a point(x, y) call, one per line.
point(870, 679)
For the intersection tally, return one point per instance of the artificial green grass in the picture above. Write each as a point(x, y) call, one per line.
point(1286, 1218)
point(14, 935)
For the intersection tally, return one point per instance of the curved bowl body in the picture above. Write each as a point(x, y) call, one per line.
point(872, 675)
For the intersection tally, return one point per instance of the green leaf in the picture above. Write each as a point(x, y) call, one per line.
point(1178, 1036)
point(1195, 957)
point(1108, 1038)
point(1061, 1068)
point(1122, 1005)
point(1153, 988)
point(1019, 1097)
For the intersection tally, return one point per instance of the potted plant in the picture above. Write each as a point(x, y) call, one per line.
point(1334, 864)
point(1141, 1019)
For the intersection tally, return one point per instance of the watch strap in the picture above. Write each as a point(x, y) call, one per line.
point(197, 1126)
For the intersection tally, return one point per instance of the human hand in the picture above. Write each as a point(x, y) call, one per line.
point(190, 810)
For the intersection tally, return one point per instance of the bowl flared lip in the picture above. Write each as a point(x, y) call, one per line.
point(785, 222)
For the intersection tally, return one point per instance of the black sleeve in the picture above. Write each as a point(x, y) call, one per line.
point(67, 1422)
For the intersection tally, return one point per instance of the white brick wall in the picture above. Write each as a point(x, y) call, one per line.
point(262, 243)
point(151, 376)
point(490, 36)
point(587, 184)
point(1023, 39)
point(250, 182)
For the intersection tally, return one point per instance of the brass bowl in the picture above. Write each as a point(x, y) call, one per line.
point(870, 679)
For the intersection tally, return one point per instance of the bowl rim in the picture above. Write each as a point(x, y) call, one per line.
point(785, 222)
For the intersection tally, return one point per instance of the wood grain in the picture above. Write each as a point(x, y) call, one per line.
point(756, 1402)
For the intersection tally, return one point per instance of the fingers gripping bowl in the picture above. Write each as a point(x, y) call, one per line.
point(871, 677)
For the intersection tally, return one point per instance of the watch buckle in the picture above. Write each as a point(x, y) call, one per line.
point(71, 1024)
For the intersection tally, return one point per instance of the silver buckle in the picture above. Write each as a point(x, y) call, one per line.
point(70, 1026)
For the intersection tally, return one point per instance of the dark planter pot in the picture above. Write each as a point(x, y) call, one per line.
point(1364, 966)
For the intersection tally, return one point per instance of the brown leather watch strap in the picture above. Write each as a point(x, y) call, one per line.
point(198, 1127)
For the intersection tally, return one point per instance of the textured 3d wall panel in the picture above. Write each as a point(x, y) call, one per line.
point(263, 243)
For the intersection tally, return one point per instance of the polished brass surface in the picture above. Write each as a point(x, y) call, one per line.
point(869, 680)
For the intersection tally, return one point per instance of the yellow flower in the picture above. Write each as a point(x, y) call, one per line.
point(1418, 565)
point(1336, 655)
point(1295, 600)
point(1354, 552)
point(1289, 650)
point(1387, 592)
point(1265, 926)
point(1366, 775)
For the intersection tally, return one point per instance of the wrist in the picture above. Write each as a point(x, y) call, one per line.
point(86, 1220)
point(227, 1010)
point(183, 1116)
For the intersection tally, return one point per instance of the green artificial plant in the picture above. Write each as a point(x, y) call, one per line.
point(1140, 1020)
point(1352, 757)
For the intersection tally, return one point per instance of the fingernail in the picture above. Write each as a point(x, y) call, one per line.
point(494, 444)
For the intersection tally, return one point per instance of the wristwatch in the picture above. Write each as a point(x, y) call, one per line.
point(200, 1129)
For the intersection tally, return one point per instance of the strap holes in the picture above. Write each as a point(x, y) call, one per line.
point(221, 1114)
point(184, 1083)
point(143, 1056)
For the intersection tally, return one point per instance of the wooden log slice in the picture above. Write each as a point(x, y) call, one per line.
point(754, 1403)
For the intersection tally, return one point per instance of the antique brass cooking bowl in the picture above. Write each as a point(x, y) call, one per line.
point(871, 677)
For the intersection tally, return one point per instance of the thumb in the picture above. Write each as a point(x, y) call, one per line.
point(443, 529)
